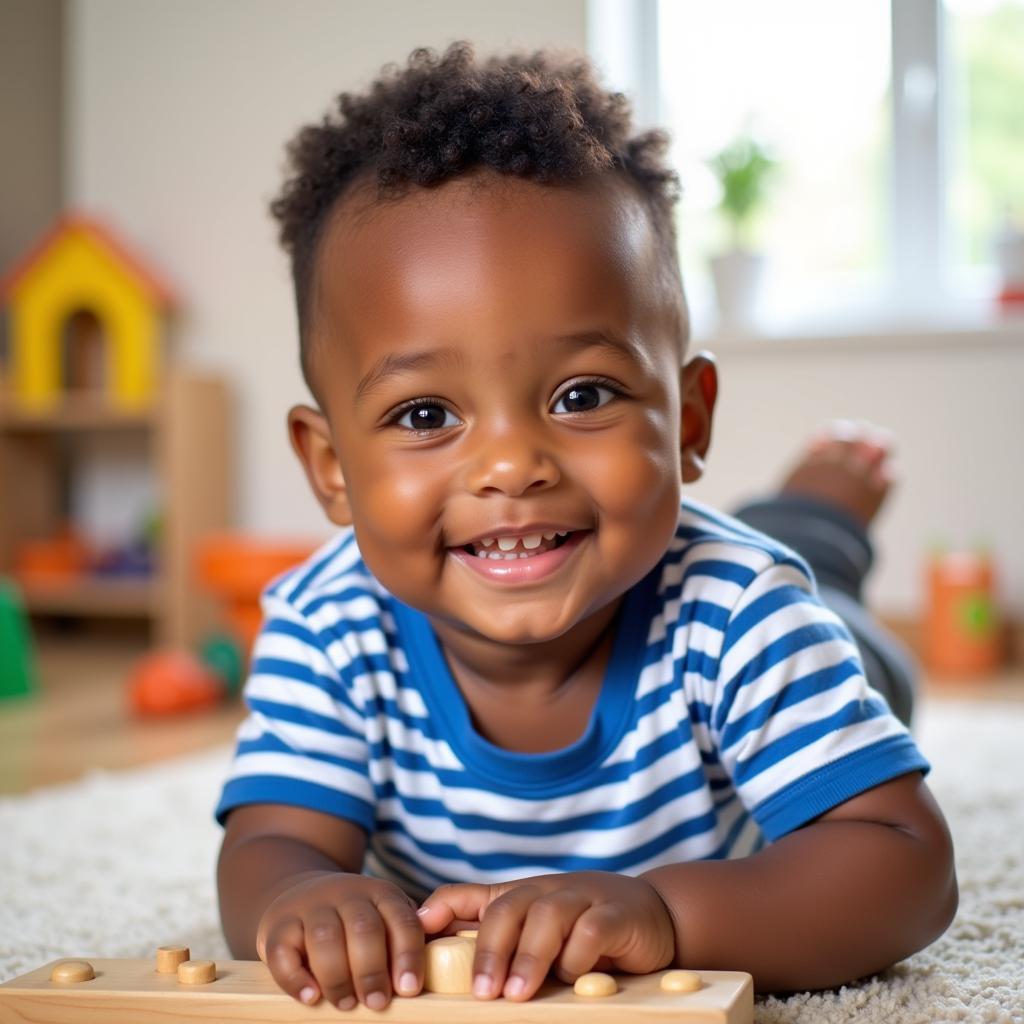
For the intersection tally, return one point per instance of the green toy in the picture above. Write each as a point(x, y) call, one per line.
point(222, 653)
point(18, 676)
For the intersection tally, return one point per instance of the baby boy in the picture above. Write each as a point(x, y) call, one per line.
point(528, 686)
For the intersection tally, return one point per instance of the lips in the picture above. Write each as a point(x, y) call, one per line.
point(524, 567)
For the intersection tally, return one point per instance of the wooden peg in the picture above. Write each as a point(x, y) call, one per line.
point(68, 971)
point(168, 958)
point(449, 965)
point(680, 981)
point(595, 985)
point(197, 972)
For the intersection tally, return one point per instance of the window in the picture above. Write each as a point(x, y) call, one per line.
point(898, 127)
point(986, 188)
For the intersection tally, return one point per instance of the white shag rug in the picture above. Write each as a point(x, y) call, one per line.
point(121, 862)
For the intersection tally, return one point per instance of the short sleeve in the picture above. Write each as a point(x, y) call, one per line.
point(797, 726)
point(304, 741)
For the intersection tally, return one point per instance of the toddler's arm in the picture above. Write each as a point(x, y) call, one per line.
point(864, 885)
point(861, 887)
point(292, 894)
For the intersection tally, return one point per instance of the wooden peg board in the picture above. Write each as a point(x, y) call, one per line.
point(132, 992)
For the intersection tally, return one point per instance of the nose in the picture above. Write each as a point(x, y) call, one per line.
point(511, 462)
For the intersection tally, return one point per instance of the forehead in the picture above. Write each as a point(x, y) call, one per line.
point(495, 256)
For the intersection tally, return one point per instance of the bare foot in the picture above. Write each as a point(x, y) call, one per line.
point(847, 464)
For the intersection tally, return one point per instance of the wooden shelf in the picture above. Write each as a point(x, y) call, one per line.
point(117, 598)
point(187, 450)
point(78, 414)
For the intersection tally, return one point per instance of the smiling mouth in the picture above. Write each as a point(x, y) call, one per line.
point(512, 548)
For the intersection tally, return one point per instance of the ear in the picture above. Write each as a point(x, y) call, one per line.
point(311, 438)
point(699, 387)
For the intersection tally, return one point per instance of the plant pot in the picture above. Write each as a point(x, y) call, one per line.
point(1009, 252)
point(737, 278)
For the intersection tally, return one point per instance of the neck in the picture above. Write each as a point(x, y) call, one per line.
point(542, 668)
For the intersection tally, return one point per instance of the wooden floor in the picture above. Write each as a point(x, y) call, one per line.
point(80, 718)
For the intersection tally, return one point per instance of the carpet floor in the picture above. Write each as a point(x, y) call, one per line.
point(121, 862)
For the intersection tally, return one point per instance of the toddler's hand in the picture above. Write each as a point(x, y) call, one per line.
point(330, 935)
point(573, 922)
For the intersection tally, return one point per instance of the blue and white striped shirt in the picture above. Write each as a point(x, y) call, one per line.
point(733, 710)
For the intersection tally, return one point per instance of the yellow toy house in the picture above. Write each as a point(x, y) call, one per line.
point(82, 293)
point(88, 384)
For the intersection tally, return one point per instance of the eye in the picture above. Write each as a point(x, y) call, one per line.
point(583, 396)
point(425, 415)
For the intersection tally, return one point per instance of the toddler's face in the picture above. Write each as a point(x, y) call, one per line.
point(498, 369)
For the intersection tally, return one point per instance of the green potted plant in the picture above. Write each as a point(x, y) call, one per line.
point(743, 169)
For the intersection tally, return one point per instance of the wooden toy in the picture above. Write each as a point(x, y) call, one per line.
point(449, 965)
point(80, 267)
point(169, 957)
point(134, 992)
point(196, 972)
point(595, 985)
point(68, 972)
point(680, 981)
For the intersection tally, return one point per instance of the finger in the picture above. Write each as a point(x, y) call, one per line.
point(327, 957)
point(498, 938)
point(405, 943)
point(600, 931)
point(447, 903)
point(283, 949)
point(549, 920)
point(367, 947)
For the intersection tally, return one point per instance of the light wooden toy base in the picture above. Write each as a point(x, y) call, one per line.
point(133, 991)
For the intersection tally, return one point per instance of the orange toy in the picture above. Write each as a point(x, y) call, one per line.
point(169, 682)
point(962, 631)
point(236, 569)
point(56, 559)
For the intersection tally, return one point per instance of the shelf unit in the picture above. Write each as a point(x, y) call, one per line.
point(188, 443)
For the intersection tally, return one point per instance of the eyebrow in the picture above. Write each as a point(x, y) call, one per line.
point(396, 363)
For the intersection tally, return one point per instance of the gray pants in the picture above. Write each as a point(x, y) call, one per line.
point(840, 555)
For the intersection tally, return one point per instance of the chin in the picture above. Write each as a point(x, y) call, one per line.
point(543, 629)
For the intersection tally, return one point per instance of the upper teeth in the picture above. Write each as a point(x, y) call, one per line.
point(529, 541)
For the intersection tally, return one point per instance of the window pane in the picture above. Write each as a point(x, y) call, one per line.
point(986, 47)
point(811, 79)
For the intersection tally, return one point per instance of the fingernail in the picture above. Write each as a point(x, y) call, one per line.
point(482, 985)
point(515, 985)
point(308, 994)
point(376, 1001)
point(407, 983)
point(422, 911)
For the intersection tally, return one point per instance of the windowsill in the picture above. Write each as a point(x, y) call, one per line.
point(991, 328)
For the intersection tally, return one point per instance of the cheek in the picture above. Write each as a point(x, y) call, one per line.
point(398, 504)
point(634, 475)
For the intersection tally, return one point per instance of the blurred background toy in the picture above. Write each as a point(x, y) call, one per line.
point(963, 632)
point(171, 682)
point(236, 568)
point(18, 677)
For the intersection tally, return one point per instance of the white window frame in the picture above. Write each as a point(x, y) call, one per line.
point(622, 37)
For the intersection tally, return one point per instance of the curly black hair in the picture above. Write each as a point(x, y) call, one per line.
point(540, 117)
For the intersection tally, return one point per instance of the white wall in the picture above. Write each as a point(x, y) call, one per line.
point(177, 115)
point(956, 404)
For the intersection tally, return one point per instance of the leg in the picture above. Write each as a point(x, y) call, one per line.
point(823, 511)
